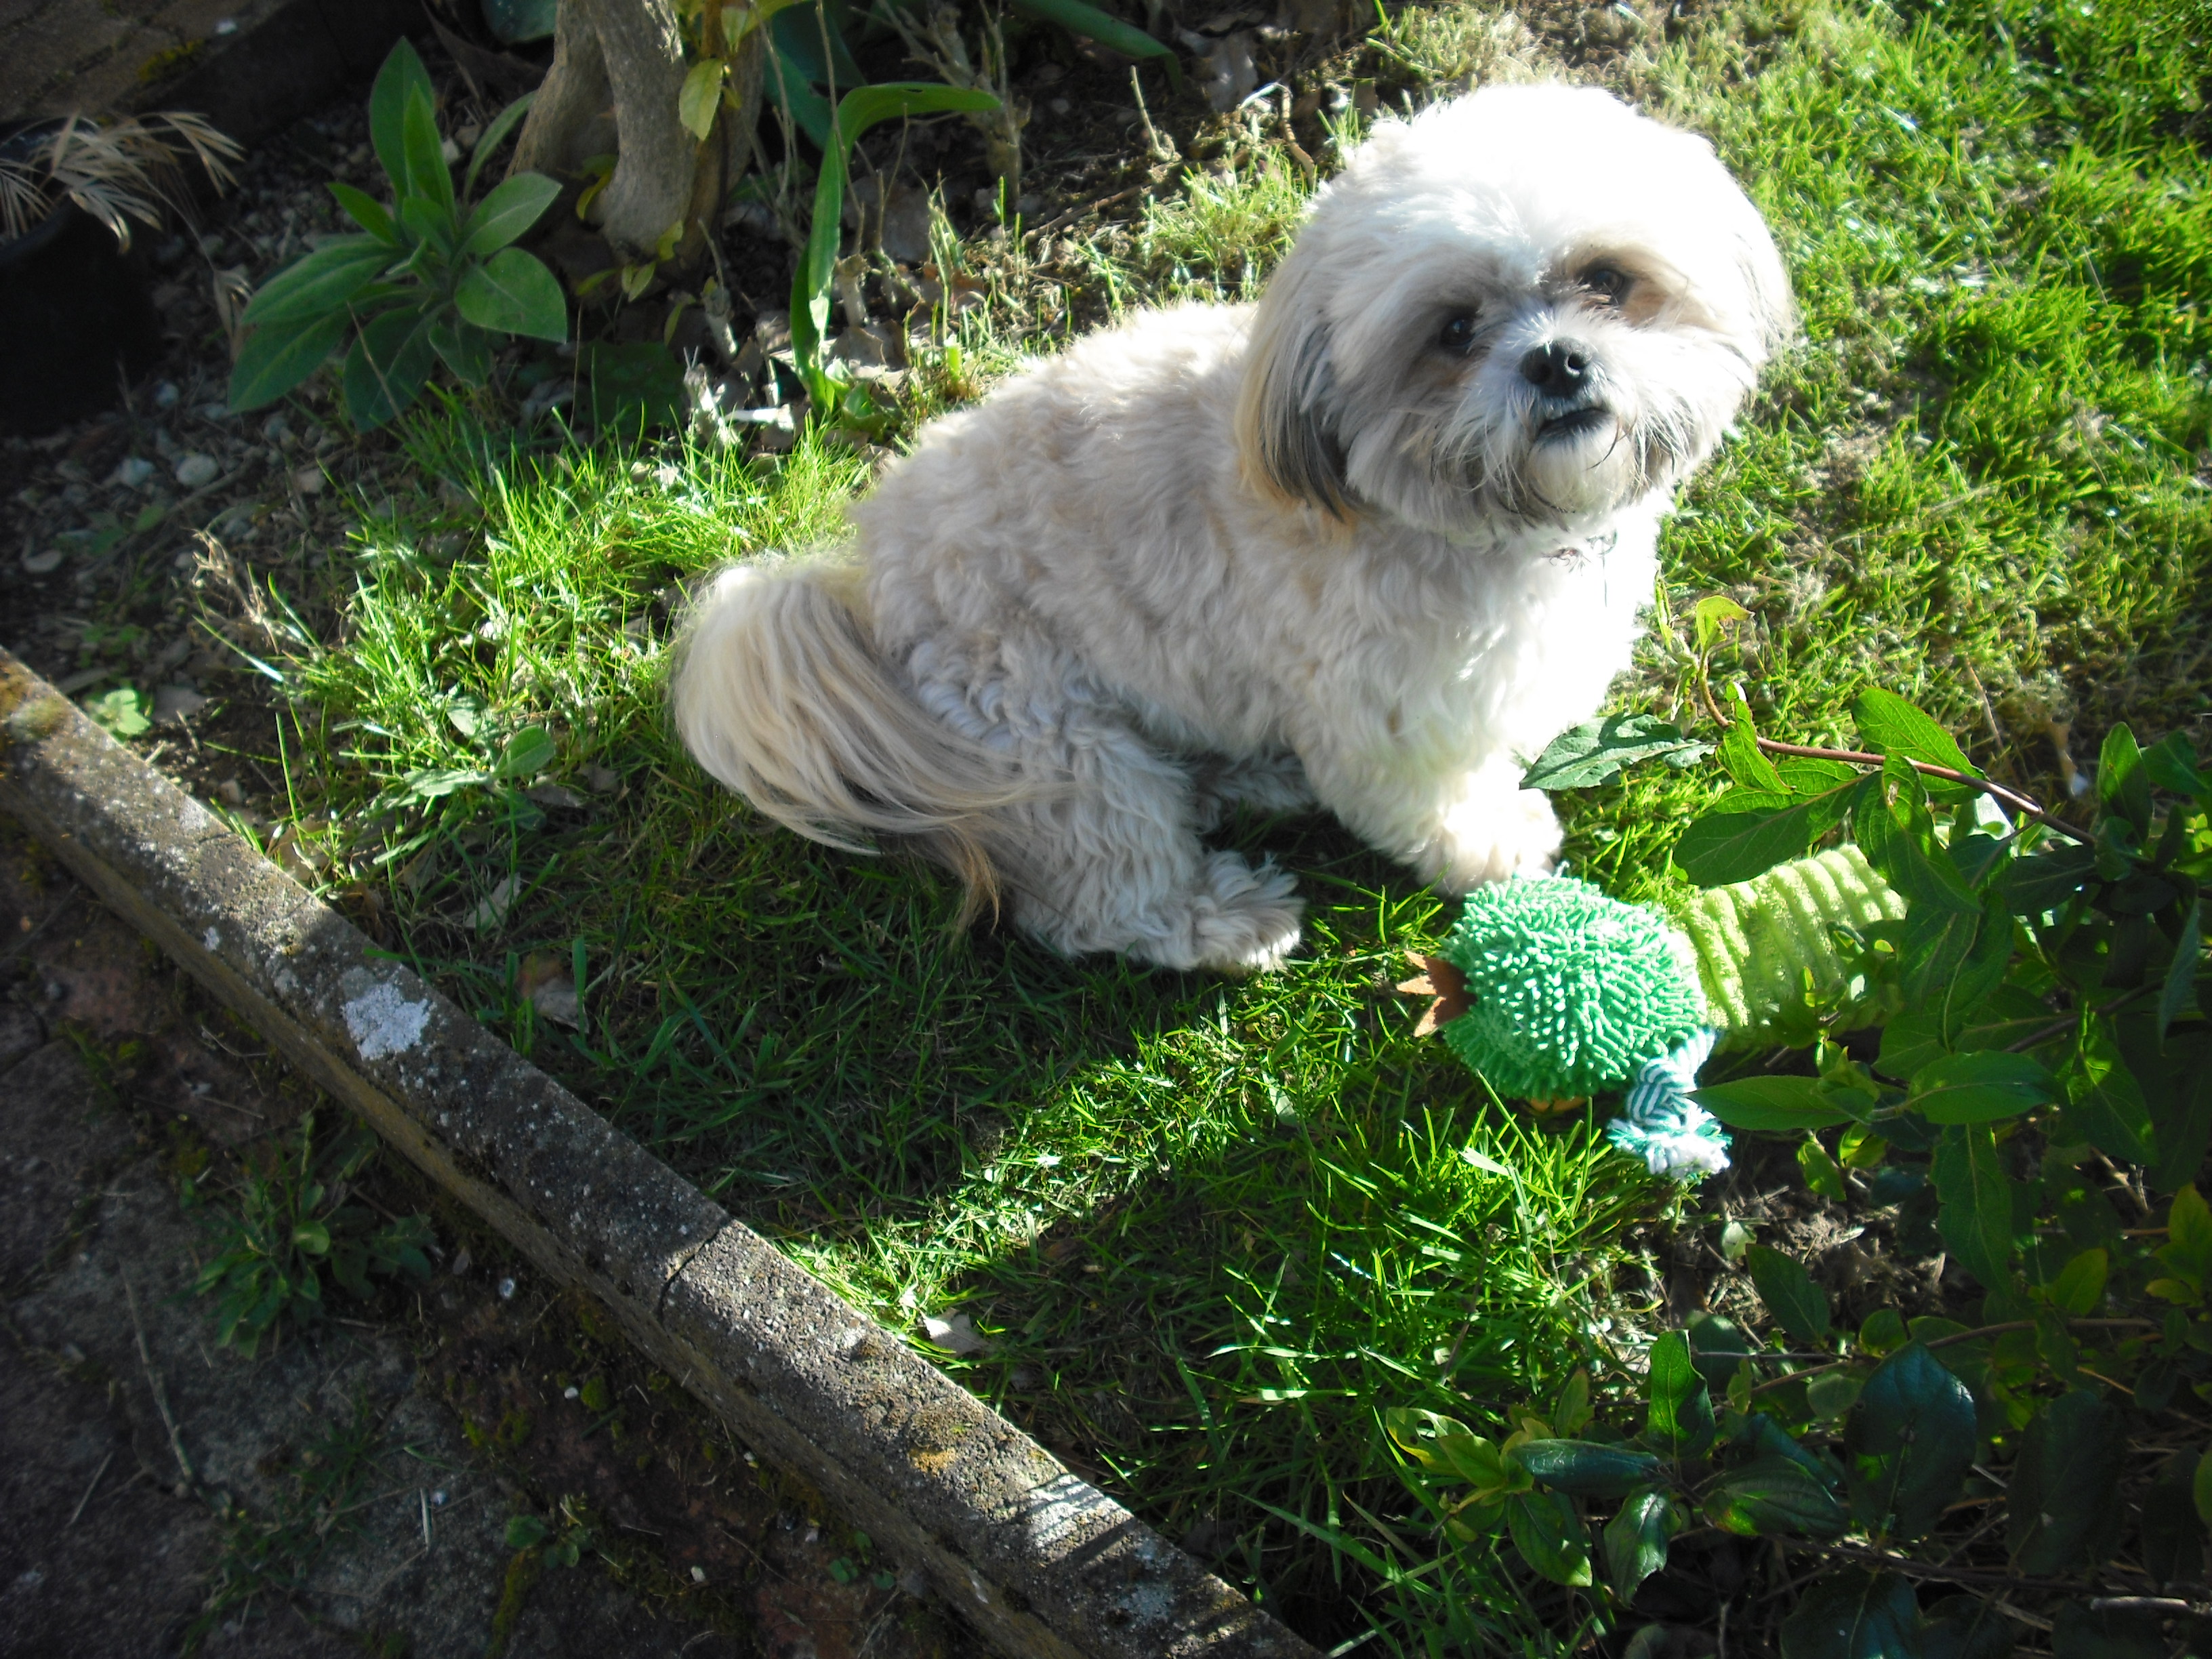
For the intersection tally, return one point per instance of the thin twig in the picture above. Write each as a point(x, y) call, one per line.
point(2149, 1604)
point(2005, 1328)
point(89, 1491)
point(2011, 798)
point(1075, 213)
point(154, 1381)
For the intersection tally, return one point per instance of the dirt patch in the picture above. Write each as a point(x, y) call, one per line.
point(475, 1464)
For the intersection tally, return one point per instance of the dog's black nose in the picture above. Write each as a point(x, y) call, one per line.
point(1559, 368)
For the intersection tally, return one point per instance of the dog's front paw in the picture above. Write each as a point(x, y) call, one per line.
point(1494, 835)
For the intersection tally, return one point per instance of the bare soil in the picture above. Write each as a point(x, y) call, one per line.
point(350, 1488)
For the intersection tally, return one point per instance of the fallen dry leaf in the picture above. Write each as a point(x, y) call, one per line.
point(1439, 980)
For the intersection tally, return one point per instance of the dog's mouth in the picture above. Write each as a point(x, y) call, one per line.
point(1573, 423)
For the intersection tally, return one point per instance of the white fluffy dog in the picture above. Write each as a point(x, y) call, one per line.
point(1364, 544)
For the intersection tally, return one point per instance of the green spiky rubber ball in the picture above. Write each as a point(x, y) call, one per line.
point(1569, 991)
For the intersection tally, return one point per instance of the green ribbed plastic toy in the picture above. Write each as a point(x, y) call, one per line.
point(1760, 942)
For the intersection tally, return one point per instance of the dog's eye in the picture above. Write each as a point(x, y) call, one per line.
point(1609, 284)
point(1458, 333)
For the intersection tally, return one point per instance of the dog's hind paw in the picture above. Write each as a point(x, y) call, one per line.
point(1235, 918)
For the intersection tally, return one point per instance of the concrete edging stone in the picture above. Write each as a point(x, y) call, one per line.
point(1039, 1561)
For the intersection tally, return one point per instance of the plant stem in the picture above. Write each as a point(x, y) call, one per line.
point(2006, 1329)
point(2017, 802)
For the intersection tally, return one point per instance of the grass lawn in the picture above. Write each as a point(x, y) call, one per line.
point(1208, 1229)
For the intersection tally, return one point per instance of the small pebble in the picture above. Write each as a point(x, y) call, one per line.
point(438, 1498)
point(196, 468)
point(276, 429)
point(698, 1575)
point(1060, 106)
point(506, 1288)
point(570, 1392)
point(164, 395)
point(309, 481)
point(133, 472)
point(40, 564)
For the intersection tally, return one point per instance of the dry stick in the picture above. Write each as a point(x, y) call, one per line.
point(154, 1380)
point(1075, 213)
point(89, 1491)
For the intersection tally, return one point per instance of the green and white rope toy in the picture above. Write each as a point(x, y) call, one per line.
point(1569, 992)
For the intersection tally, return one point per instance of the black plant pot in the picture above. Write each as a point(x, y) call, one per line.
point(76, 322)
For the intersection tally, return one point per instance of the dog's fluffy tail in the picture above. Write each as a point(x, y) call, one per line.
point(778, 692)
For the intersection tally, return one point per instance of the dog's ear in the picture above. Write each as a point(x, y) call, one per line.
point(1766, 286)
point(1285, 437)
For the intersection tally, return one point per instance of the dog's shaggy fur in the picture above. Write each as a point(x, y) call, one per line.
point(1364, 544)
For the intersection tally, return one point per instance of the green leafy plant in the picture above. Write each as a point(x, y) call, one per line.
point(811, 284)
point(292, 1224)
point(2044, 1081)
point(433, 278)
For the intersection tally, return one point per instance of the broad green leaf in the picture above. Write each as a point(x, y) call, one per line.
point(399, 83)
point(1550, 1535)
point(493, 135)
point(1596, 751)
point(277, 357)
point(1782, 1103)
point(1713, 613)
point(511, 208)
point(2084, 1631)
point(524, 1531)
point(2080, 1285)
point(529, 752)
point(2180, 991)
point(368, 212)
point(2065, 1493)
point(2171, 763)
point(858, 110)
point(428, 176)
point(1797, 1303)
point(1717, 1346)
point(1882, 1333)
point(1583, 1468)
point(321, 282)
point(1801, 775)
point(2045, 881)
point(2188, 1246)
point(312, 1236)
point(700, 96)
point(387, 366)
point(1893, 726)
point(513, 293)
point(2104, 1102)
point(463, 347)
point(1910, 1440)
point(1724, 847)
point(1975, 1191)
point(1572, 1410)
point(1964, 1000)
point(1774, 1495)
point(1078, 18)
point(425, 222)
point(1636, 1540)
point(1893, 827)
point(1741, 756)
point(1849, 1613)
point(1967, 1627)
point(1823, 1175)
point(1680, 1417)
point(2172, 1533)
point(2122, 781)
point(1980, 1087)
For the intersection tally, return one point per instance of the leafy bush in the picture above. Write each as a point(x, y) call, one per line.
point(429, 280)
point(291, 1226)
point(2037, 1108)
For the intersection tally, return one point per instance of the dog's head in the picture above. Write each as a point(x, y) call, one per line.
point(1531, 303)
